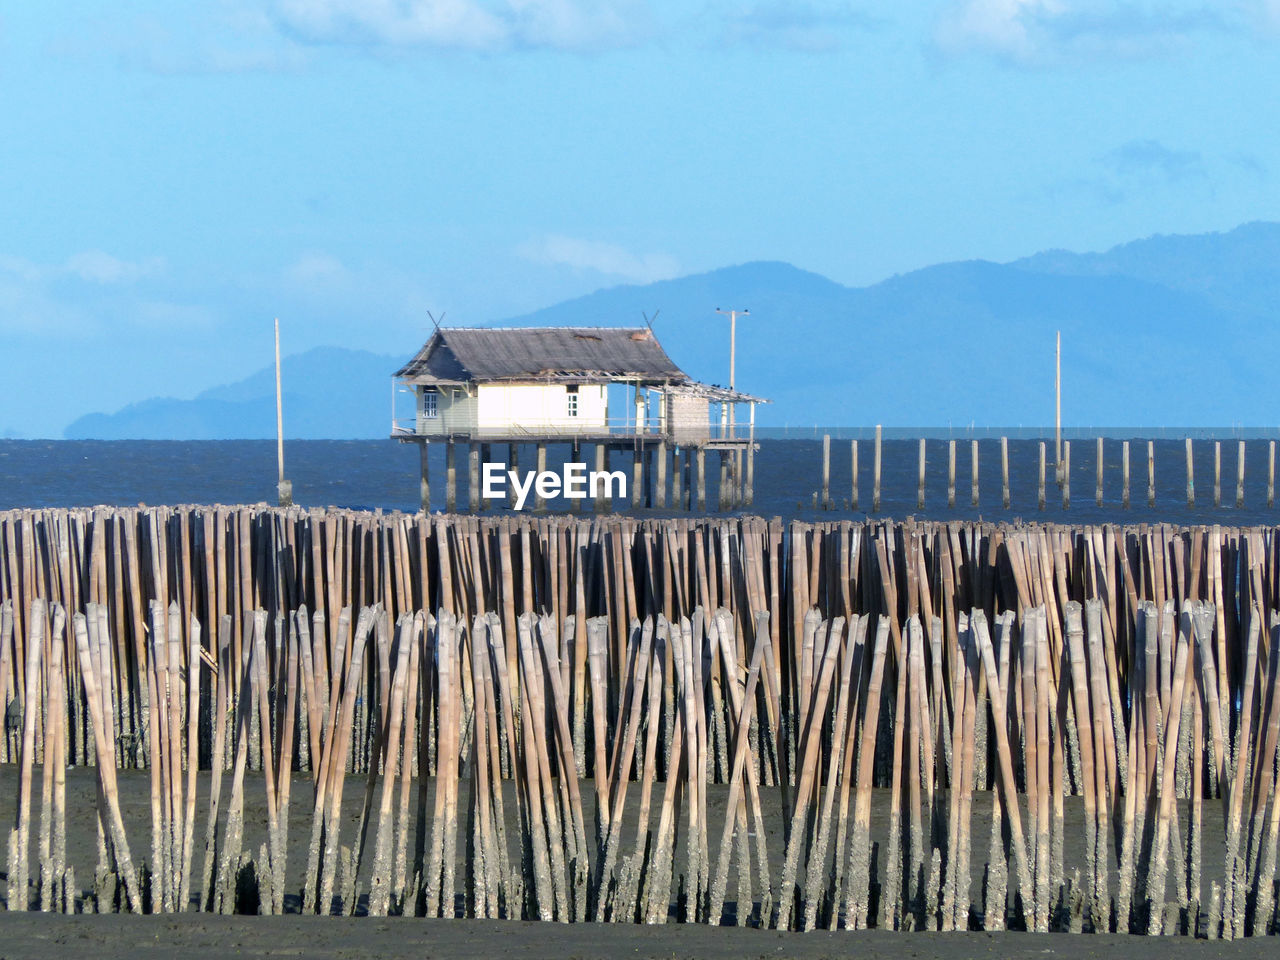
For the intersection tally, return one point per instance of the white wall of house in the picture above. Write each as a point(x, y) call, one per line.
point(501, 409)
point(541, 408)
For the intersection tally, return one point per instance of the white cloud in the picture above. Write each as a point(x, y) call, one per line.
point(315, 269)
point(480, 25)
point(1145, 157)
point(178, 42)
point(794, 25)
point(25, 305)
point(993, 26)
point(446, 23)
point(1048, 32)
point(598, 257)
point(88, 293)
point(1267, 12)
point(95, 266)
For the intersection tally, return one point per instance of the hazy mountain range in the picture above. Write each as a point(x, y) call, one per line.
point(1170, 330)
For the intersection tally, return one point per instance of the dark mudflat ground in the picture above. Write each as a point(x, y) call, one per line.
point(195, 937)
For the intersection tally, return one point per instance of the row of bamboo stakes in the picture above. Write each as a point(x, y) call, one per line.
point(1061, 471)
point(630, 714)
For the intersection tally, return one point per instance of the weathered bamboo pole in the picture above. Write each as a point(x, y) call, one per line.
point(1066, 474)
point(1004, 472)
point(1191, 476)
point(826, 471)
point(1124, 475)
point(1271, 473)
point(20, 836)
point(973, 477)
point(1151, 473)
point(920, 478)
point(951, 474)
point(853, 455)
point(1239, 474)
point(1040, 486)
point(875, 474)
point(1217, 473)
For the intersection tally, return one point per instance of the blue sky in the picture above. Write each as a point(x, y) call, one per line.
point(175, 175)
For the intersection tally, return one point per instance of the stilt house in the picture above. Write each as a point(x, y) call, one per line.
point(614, 387)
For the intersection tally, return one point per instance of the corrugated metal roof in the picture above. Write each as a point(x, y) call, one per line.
point(463, 354)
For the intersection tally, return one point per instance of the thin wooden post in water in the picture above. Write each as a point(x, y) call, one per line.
point(1239, 474)
point(749, 493)
point(660, 477)
point(648, 477)
point(951, 473)
point(875, 479)
point(473, 469)
point(973, 450)
point(920, 479)
point(1004, 472)
point(853, 455)
point(1066, 475)
point(602, 496)
point(826, 471)
point(722, 488)
point(450, 478)
point(513, 463)
point(1217, 473)
point(1124, 475)
point(1191, 477)
point(425, 485)
point(484, 458)
point(1098, 474)
point(677, 492)
point(702, 479)
point(1271, 474)
point(1151, 473)
point(540, 455)
point(637, 474)
point(1040, 494)
point(575, 456)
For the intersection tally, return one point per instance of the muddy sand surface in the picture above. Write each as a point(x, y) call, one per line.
point(136, 812)
point(195, 937)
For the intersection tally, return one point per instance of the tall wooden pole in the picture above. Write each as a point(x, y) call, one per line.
point(733, 351)
point(733, 338)
point(1057, 409)
point(284, 488)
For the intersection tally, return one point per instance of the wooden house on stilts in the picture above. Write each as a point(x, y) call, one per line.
point(610, 388)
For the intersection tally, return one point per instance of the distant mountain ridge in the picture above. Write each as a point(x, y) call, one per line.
point(330, 393)
point(1169, 330)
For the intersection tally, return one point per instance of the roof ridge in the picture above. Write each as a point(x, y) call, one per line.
point(566, 327)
